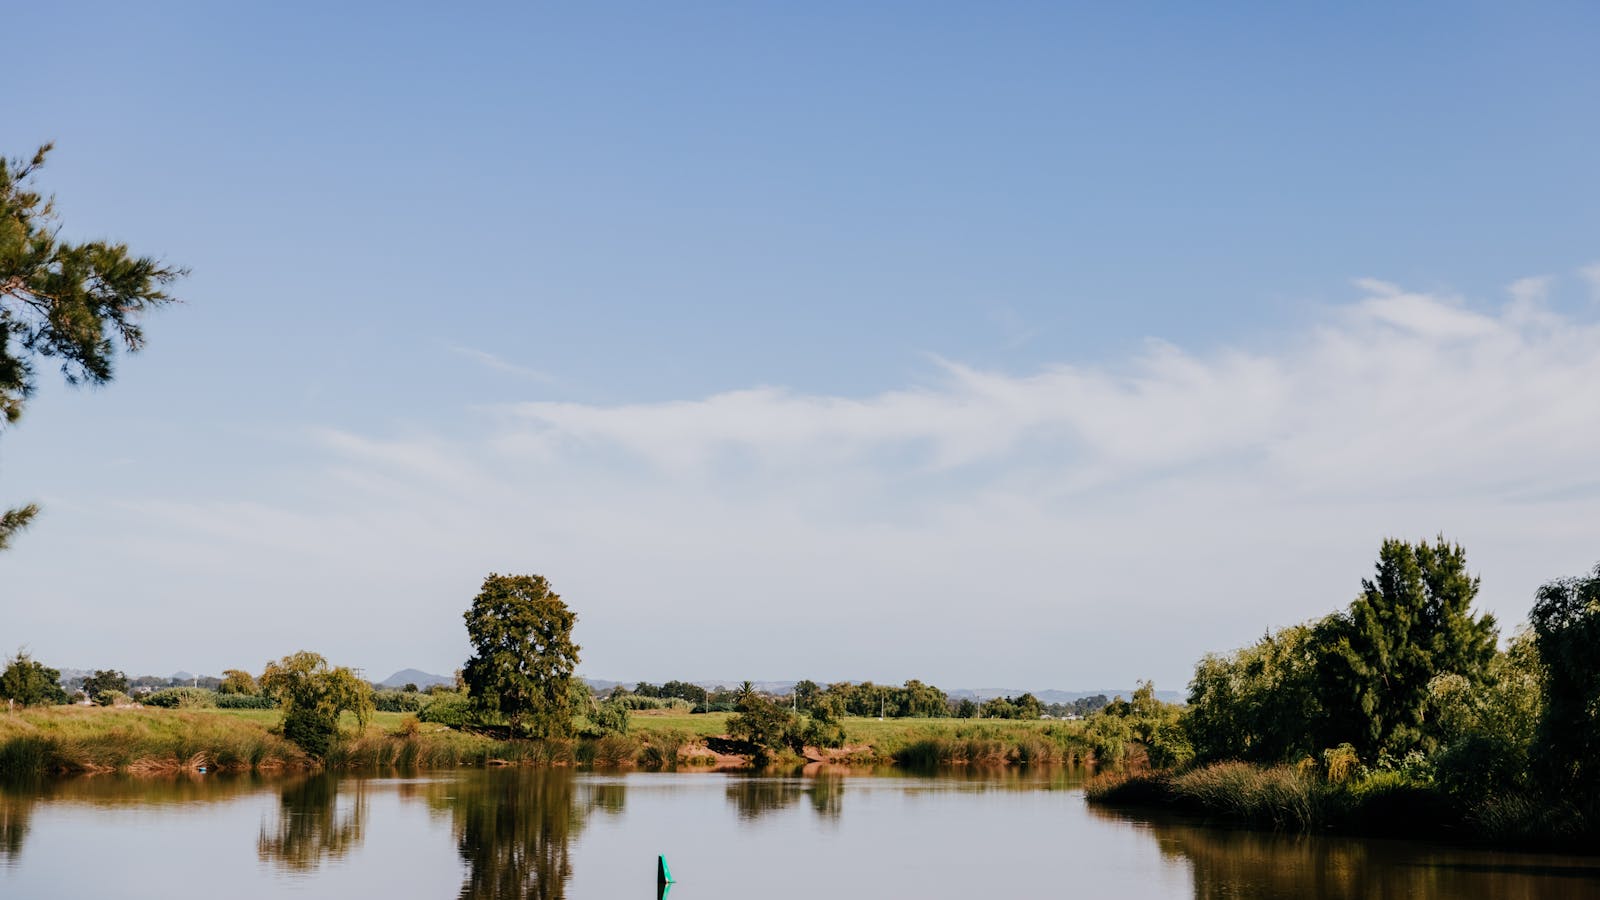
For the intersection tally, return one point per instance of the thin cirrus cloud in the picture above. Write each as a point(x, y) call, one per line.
point(496, 363)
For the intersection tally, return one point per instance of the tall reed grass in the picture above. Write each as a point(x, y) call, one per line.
point(1285, 798)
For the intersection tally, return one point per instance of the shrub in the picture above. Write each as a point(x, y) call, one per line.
point(661, 749)
point(111, 698)
point(819, 731)
point(610, 717)
point(181, 698)
point(410, 726)
point(245, 701)
point(1340, 763)
point(448, 708)
point(310, 731)
point(399, 701)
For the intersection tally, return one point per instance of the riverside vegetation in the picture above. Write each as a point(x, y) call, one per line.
point(1400, 714)
point(516, 701)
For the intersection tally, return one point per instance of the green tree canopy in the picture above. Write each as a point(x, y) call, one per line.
point(105, 680)
point(238, 681)
point(59, 300)
point(764, 723)
point(30, 683)
point(524, 657)
point(312, 695)
point(1259, 703)
point(1566, 627)
point(1412, 622)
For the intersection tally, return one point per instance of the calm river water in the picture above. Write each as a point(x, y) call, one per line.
point(550, 834)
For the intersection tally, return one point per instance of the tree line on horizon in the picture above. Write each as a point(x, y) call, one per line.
point(913, 699)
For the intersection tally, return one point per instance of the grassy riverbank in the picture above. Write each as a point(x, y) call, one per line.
point(1383, 803)
point(62, 740)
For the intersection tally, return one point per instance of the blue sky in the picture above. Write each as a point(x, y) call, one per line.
point(1032, 345)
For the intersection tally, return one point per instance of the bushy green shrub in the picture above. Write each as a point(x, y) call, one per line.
point(180, 698)
point(399, 701)
point(110, 698)
point(819, 731)
point(245, 701)
point(451, 708)
point(310, 731)
point(609, 717)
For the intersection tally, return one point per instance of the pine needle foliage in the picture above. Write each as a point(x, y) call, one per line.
point(74, 303)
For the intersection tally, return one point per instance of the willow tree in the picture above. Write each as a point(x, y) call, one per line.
point(313, 695)
point(65, 302)
point(524, 660)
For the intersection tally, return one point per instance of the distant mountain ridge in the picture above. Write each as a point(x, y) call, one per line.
point(417, 677)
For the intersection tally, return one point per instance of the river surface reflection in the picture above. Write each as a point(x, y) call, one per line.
point(521, 833)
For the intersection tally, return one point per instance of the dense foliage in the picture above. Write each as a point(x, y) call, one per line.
point(104, 680)
point(399, 701)
point(27, 682)
point(313, 694)
point(61, 301)
point(1566, 626)
point(1413, 621)
point(180, 698)
point(1360, 677)
point(1405, 692)
point(238, 681)
point(524, 657)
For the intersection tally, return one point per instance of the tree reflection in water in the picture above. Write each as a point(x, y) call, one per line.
point(753, 796)
point(1241, 864)
point(827, 795)
point(514, 828)
point(311, 827)
point(16, 805)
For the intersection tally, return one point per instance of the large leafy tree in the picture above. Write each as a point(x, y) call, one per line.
point(105, 680)
point(1566, 628)
point(524, 657)
point(1412, 622)
point(1258, 703)
point(63, 301)
point(313, 695)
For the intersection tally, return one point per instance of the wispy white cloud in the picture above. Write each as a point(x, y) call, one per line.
point(491, 361)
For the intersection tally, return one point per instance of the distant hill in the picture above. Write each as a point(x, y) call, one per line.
point(417, 677)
